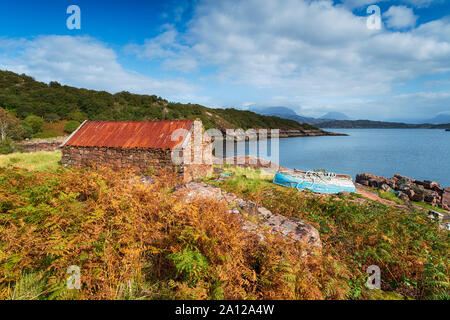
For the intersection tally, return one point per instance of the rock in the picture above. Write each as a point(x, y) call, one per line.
point(403, 179)
point(391, 183)
point(438, 189)
point(405, 187)
point(364, 178)
point(418, 182)
point(385, 187)
point(410, 193)
point(431, 185)
point(403, 196)
point(430, 198)
point(374, 183)
point(419, 196)
point(445, 202)
point(290, 228)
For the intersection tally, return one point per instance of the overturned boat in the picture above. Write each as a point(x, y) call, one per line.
point(316, 181)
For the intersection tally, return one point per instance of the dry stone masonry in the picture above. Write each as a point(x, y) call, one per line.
point(152, 147)
point(35, 145)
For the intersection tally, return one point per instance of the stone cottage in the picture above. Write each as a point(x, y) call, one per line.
point(176, 145)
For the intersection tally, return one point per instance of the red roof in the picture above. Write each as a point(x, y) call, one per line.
point(129, 134)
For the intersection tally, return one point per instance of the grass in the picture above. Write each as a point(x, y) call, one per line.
point(428, 206)
point(411, 252)
point(392, 197)
point(389, 196)
point(35, 161)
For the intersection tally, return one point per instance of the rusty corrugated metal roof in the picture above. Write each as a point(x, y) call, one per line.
point(129, 134)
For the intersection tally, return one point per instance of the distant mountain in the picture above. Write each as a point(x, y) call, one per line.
point(287, 113)
point(440, 118)
point(338, 120)
point(335, 116)
point(282, 112)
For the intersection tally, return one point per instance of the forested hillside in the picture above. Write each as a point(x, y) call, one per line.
point(23, 96)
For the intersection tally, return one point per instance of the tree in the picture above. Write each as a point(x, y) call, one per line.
point(36, 123)
point(27, 130)
point(71, 126)
point(77, 115)
point(52, 117)
point(9, 126)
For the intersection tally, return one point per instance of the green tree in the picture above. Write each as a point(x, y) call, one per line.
point(36, 123)
point(71, 126)
point(52, 117)
point(27, 131)
point(77, 115)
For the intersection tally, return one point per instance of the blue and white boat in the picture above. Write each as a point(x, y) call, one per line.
point(316, 181)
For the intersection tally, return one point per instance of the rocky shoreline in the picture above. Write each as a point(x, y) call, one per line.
point(308, 133)
point(283, 133)
point(409, 189)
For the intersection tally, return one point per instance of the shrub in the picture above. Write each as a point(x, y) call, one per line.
point(136, 241)
point(71, 126)
point(52, 117)
point(27, 131)
point(191, 265)
point(36, 123)
point(6, 146)
point(77, 115)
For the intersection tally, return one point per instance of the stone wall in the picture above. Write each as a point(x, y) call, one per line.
point(197, 155)
point(141, 159)
point(190, 168)
point(35, 145)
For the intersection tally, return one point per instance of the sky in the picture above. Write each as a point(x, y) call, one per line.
point(314, 56)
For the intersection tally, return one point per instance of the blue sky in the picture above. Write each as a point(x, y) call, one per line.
point(313, 56)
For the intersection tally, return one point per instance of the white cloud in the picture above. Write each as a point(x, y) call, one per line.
point(400, 17)
point(311, 54)
point(308, 48)
point(422, 3)
point(83, 62)
point(167, 49)
point(352, 4)
point(439, 30)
